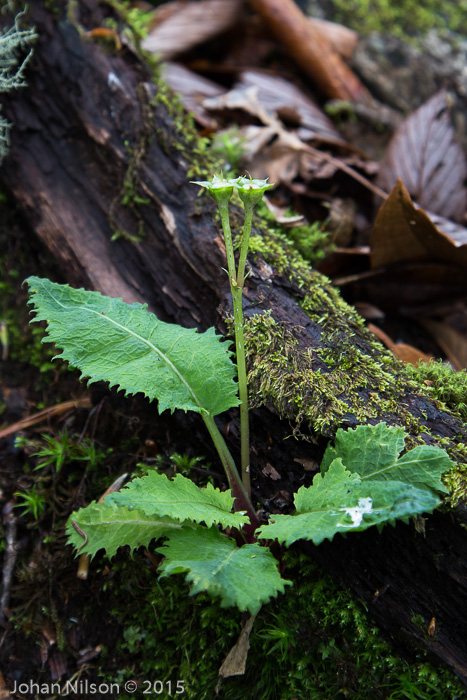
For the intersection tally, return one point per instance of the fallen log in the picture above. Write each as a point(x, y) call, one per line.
point(100, 159)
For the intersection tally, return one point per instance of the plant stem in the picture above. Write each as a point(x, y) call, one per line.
point(236, 287)
point(244, 245)
point(243, 501)
point(237, 294)
point(242, 387)
point(224, 212)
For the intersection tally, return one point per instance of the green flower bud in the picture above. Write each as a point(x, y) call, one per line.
point(219, 188)
point(251, 191)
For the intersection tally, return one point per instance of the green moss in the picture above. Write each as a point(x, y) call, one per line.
point(312, 241)
point(129, 195)
point(443, 383)
point(312, 643)
point(138, 20)
point(197, 150)
point(229, 147)
point(405, 18)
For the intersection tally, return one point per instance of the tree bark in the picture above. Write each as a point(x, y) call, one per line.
point(90, 131)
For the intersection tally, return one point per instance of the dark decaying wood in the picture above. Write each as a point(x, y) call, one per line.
point(83, 118)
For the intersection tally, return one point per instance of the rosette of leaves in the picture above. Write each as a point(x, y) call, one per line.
point(130, 348)
point(366, 479)
point(187, 517)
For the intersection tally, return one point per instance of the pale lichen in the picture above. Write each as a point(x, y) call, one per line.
point(13, 41)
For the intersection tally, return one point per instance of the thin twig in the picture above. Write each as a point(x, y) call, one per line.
point(346, 169)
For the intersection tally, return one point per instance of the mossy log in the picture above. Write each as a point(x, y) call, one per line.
point(101, 154)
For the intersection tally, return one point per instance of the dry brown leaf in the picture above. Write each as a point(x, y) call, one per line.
point(190, 24)
point(292, 105)
point(404, 232)
point(268, 470)
point(425, 154)
point(368, 311)
point(244, 98)
point(275, 152)
point(309, 465)
point(308, 45)
point(280, 217)
point(341, 220)
point(235, 662)
point(404, 352)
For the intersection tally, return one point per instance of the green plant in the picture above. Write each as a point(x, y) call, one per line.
point(229, 146)
point(444, 383)
point(133, 636)
point(33, 502)
point(184, 463)
point(62, 448)
point(189, 636)
point(251, 192)
point(363, 481)
point(312, 241)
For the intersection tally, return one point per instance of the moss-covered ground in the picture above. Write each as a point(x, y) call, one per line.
point(406, 19)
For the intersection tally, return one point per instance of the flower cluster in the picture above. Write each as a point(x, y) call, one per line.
point(249, 190)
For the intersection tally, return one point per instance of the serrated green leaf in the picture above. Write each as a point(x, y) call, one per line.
point(108, 527)
point(373, 452)
point(243, 576)
point(180, 499)
point(127, 346)
point(423, 467)
point(328, 489)
point(378, 445)
point(339, 501)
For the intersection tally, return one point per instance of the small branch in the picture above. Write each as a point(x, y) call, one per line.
point(346, 169)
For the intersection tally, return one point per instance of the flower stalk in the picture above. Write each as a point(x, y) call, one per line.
point(250, 192)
